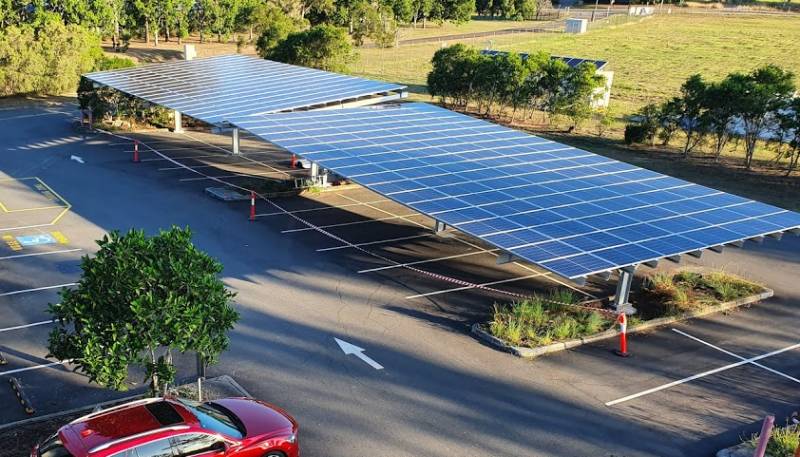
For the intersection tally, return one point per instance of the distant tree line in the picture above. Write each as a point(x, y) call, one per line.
point(754, 107)
point(176, 19)
point(463, 78)
point(512, 9)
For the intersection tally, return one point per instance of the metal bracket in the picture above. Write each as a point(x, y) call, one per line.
point(505, 257)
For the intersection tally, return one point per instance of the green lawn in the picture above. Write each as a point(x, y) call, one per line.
point(650, 58)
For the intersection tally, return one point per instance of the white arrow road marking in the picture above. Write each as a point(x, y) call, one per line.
point(76, 158)
point(349, 348)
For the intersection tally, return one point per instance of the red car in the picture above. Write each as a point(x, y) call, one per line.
point(171, 427)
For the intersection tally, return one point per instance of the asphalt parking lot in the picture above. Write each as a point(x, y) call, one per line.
point(348, 264)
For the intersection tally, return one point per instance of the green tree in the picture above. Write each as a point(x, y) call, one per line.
point(274, 26)
point(453, 74)
point(755, 97)
point(457, 11)
point(669, 119)
point(718, 114)
point(323, 46)
point(139, 299)
point(204, 15)
point(690, 106)
point(48, 60)
point(789, 121)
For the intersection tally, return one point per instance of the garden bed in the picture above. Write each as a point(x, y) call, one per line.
point(556, 321)
point(782, 443)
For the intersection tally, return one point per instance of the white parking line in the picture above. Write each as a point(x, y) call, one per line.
point(23, 291)
point(437, 259)
point(35, 254)
point(784, 375)
point(354, 245)
point(344, 224)
point(20, 327)
point(701, 375)
point(35, 367)
point(475, 286)
point(307, 210)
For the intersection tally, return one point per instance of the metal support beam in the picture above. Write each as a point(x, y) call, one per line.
point(736, 244)
point(620, 302)
point(178, 122)
point(505, 257)
point(651, 264)
point(794, 231)
point(314, 171)
point(776, 235)
point(717, 249)
point(674, 258)
point(756, 239)
point(696, 254)
point(235, 141)
point(580, 281)
point(439, 227)
point(605, 276)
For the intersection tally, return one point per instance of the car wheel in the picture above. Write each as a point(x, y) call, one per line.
point(274, 454)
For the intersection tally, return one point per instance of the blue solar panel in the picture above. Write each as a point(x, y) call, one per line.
point(570, 211)
point(571, 61)
point(215, 88)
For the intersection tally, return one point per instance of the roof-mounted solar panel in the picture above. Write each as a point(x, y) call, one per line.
point(569, 211)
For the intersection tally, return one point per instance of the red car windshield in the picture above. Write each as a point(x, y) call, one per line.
point(215, 418)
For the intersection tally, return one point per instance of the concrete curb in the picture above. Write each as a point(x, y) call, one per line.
point(529, 353)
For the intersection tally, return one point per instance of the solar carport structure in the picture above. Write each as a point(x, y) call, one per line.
point(569, 211)
point(214, 89)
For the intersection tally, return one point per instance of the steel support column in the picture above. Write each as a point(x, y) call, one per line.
point(235, 141)
point(314, 171)
point(439, 227)
point(620, 302)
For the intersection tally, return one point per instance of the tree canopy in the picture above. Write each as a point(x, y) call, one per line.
point(139, 299)
point(323, 46)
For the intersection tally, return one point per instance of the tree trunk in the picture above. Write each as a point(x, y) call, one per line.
point(251, 33)
point(201, 34)
point(166, 33)
point(147, 32)
point(154, 375)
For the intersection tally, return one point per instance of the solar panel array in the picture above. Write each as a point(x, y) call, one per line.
point(215, 88)
point(571, 61)
point(570, 211)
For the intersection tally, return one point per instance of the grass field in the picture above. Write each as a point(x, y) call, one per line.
point(650, 58)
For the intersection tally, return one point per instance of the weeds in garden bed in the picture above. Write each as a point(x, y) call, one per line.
point(782, 443)
point(675, 293)
point(542, 320)
point(539, 321)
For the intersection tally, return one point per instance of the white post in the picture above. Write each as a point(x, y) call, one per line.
point(235, 140)
point(178, 122)
point(314, 171)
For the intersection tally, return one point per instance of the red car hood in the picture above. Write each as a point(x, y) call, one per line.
point(259, 418)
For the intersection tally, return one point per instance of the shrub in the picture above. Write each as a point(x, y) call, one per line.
point(324, 46)
point(635, 133)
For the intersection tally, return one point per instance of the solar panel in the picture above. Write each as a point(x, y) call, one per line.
point(570, 211)
point(215, 88)
point(571, 61)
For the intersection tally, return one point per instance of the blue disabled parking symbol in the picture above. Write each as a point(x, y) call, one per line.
point(33, 240)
